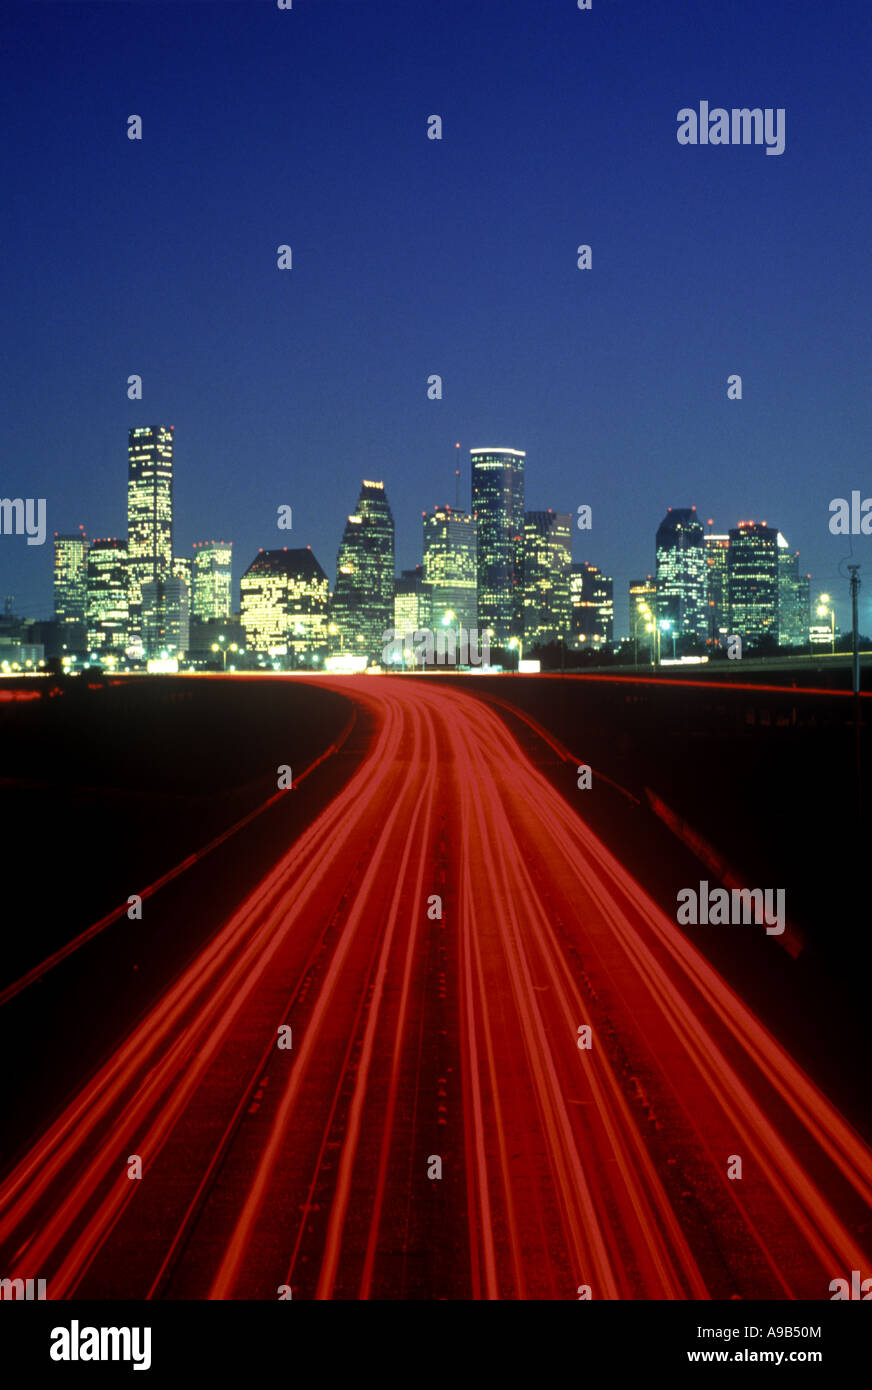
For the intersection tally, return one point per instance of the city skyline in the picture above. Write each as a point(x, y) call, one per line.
point(622, 575)
point(621, 579)
point(499, 569)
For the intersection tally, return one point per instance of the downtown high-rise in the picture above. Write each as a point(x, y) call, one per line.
point(71, 588)
point(682, 600)
point(547, 561)
point(362, 609)
point(107, 606)
point(794, 598)
point(498, 511)
point(149, 512)
point(752, 573)
point(450, 565)
point(717, 548)
point(211, 597)
point(284, 604)
point(165, 617)
point(592, 605)
point(413, 604)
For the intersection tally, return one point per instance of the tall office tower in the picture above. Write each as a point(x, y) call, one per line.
point(794, 598)
point(681, 574)
point(70, 588)
point(284, 604)
point(547, 560)
point(592, 602)
point(643, 602)
point(106, 606)
point(363, 600)
point(212, 579)
point(149, 511)
point(752, 574)
point(413, 604)
point(166, 615)
point(498, 510)
point(717, 595)
point(450, 565)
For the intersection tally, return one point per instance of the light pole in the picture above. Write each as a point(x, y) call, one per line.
point(652, 626)
point(826, 609)
point(855, 680)
point(517, 642)
point(666, 626)
point(220, 647)
point(448, 620)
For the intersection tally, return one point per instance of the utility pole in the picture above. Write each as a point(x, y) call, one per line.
point(855, 681)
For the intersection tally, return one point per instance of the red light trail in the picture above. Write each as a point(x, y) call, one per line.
point(418, 1038)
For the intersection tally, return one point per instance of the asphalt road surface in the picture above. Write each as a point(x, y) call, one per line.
point(435, 952)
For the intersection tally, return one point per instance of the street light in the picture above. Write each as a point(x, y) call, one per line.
point(637, 622)
point(516, 642)
point(826, 609)
point(666, 626)
point(223, 650)
point(448, 620)
point(650, 626)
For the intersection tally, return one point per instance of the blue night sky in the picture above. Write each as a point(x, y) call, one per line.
point(414, 256)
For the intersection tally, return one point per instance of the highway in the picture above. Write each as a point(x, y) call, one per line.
point(441, 942)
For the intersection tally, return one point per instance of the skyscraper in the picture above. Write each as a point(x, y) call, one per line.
point(165, 617)
point(450, 564)
point(363, 600)
point(498, 510)
point(717, 594)
point(284, 604)
point(149, 512)
point(413, 604)
point(593, 609)
point(681, 574)
point(212, 590)
point(547, 559)
point(752, 571)
point(70, 587)
point(794, 598)
point(106, 609)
